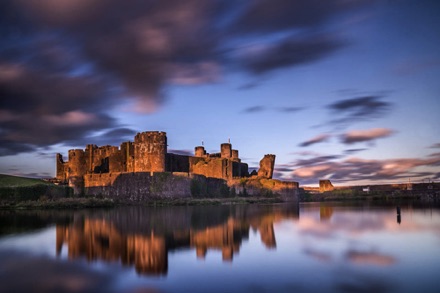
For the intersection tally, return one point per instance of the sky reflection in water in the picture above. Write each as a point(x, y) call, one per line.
point(331, 247)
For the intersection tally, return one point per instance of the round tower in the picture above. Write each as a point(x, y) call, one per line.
point(226, 150)
point(150, 149)
point(199, 151)
point(77, 163)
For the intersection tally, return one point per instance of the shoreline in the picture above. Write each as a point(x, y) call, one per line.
point(93, 202)
point(74, 203)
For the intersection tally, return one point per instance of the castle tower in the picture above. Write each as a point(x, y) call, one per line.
point(77, 163)
point(266, 166)
point(61, 175)
point(90, 159)
point(150, 149)
point(199, 151)
point(226, 150)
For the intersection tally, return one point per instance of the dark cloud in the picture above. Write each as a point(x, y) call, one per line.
point(315, 140)
point(356, 136)
point(113, 137)
point(248, 86)
point(290, 52)
point(259, 108)
point(289, 109)
point(254, 109)
point(435, 146)
point(65, 64)
point(352, 151)
point(358, 109)
point(182, 152)
point(263, 16)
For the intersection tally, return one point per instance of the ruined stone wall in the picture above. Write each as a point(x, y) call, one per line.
point(266, 166)
point(137, 186)
point(60, 172)
point(98, 158)
point(211, 167)
point(288, 190)
point(325, 185)
point(177, 163)
point(150, 149)
point(141, 186)
point(239, 169)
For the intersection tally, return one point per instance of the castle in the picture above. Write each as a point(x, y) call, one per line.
point(148, 153)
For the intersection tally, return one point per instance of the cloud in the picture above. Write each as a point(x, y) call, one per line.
point(114, 136)
point(289, 109)
point(181, 152)
point(352, 151)
point(263, 16)
point(435, 146)
point(254, 109)
point(248, 86)
point(317, 139)
point(356, 136)
point(358, 109)
point(357, 169)
point(289, 52)
point(259, 108)
point(415, 66)
point(64, 65)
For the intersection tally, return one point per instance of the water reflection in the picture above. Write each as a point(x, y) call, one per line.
point(143, 237)
point(316, 247)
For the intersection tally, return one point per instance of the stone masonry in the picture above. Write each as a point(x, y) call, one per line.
point(148, 154)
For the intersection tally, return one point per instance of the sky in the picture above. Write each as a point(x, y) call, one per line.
point(346, 90)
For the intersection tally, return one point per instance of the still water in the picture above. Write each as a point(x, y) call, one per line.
point(316, 247)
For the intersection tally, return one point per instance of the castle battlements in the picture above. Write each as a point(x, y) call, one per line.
point(148, 153)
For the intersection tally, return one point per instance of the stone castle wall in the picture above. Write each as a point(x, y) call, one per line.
point(141, 186)
point(136, 168)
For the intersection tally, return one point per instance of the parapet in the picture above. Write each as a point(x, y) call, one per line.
point(226, 150)
point(147, 135)
point(75, 153)
point(200, 151)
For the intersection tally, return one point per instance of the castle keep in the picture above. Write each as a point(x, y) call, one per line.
point(136, 167)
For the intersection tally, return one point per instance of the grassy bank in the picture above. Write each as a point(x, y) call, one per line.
point(351, 195)
point(18, 189)
point(92, 202)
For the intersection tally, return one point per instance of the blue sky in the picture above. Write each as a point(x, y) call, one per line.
point(341, 89)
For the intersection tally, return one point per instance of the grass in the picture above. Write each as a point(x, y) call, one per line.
point(15, 181)
point(14, 189)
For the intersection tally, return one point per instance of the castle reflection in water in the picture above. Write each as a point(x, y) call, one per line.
point(143, 237)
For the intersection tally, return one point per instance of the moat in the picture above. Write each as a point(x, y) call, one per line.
point(310, 247)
